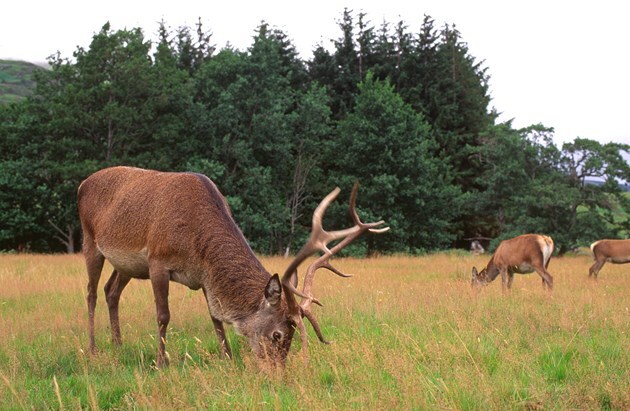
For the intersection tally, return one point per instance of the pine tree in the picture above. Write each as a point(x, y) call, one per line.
point(387, 146)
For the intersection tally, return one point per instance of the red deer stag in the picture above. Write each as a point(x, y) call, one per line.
point(613, 251)
point(523, 254)
point(178, 227)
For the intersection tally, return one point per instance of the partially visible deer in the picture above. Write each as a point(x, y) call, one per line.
point(613, 251)
point(523, 254)
point(177, 227)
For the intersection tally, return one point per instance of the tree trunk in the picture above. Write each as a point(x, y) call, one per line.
point(65, 237)
point(300, 174)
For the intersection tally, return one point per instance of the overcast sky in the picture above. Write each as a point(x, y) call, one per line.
point(563, 64)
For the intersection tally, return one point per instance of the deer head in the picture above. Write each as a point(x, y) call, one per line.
point(479, 278)
point(270, 330)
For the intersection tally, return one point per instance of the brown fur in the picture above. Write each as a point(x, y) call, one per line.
point(177, 227)
point(614, 251)
point(523, 254)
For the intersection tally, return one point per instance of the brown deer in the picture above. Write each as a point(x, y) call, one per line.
point(523, 254)
point(178, 227)
point(614, 251)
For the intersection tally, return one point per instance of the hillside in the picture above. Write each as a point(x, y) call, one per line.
point(16, 80)
point(622, 185)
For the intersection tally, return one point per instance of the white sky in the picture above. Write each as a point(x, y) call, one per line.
point(563, 64)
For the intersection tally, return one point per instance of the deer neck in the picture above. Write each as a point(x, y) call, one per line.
point(235, 279)
point(492, 270)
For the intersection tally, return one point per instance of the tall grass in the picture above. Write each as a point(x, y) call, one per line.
point(408, 333)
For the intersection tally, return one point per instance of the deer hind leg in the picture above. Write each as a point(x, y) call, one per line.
point(547, 279)
point(225, 346)
point(113, 289)
point(94, 261)
point(594, 270)
point(160, 277)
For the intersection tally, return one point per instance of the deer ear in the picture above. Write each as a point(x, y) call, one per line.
point(475, 274)
point(273, 290)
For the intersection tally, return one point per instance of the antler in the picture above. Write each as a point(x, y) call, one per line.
point(319, 241)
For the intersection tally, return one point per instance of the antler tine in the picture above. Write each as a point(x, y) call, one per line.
point(348, 235)
point(317, 241)
point(328, 266)
point(355, 215)
point(315, 324)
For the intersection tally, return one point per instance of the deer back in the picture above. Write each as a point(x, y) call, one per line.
point(615, 251)
point(181, 219)
point(525, 249)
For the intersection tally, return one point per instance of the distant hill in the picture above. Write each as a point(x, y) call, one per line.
point(16, 80)
point(623, 186)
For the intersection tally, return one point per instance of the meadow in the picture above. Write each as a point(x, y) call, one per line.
point(408, 332)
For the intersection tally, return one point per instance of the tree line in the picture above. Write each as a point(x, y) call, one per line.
point(404, 111)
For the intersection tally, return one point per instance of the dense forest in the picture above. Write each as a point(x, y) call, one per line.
point(405, 110)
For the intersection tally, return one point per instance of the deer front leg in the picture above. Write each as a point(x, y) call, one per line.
point(113, 289)
point(504, 280)
point(510, 279)
point(223, 342)
point(160, 278)
point(218, 328)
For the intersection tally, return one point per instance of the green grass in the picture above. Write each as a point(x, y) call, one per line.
point(408, 334)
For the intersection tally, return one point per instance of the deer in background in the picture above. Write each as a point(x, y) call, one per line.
point(523, 254)
point(178, 227)
point(613, 251)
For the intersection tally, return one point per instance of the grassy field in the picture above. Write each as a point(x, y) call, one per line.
point(408, 334)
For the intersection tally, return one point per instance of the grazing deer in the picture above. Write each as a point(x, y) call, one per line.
point(614, 251)
point(523, 254)
point(178, 227)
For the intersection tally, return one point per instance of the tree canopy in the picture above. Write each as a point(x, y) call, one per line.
point(405, 113)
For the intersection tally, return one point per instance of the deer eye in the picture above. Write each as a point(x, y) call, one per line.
point(276, 336)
